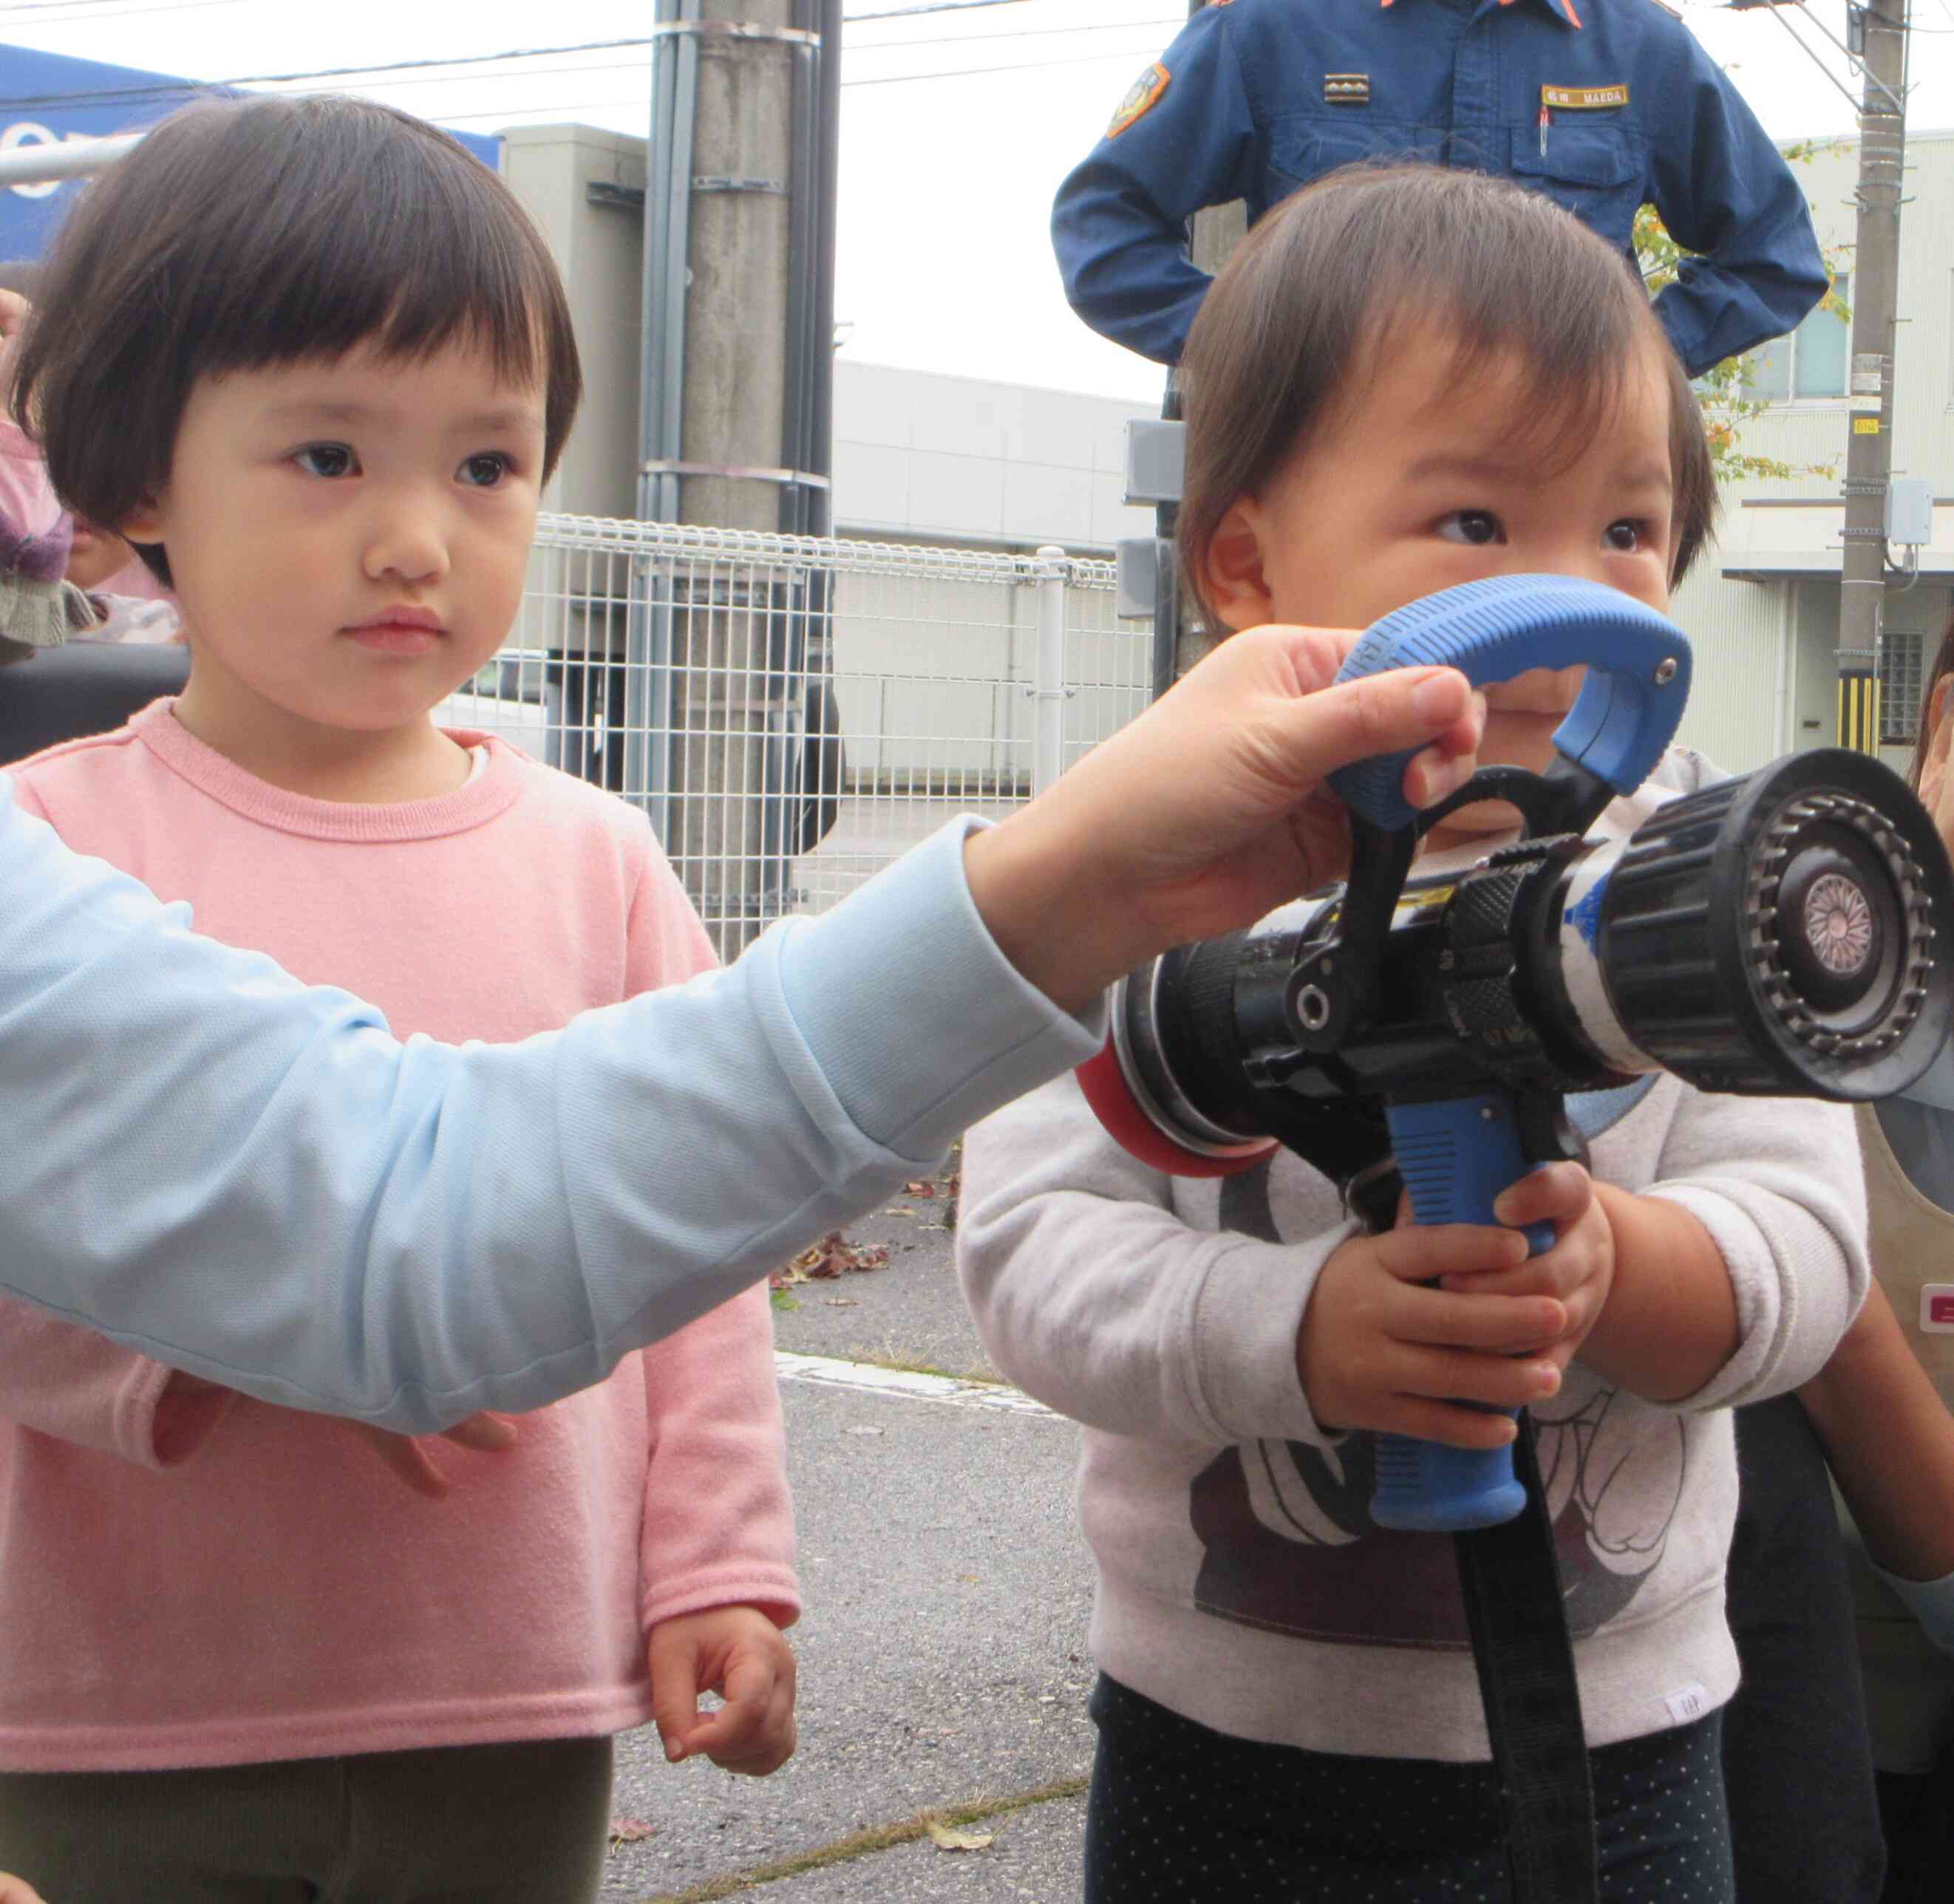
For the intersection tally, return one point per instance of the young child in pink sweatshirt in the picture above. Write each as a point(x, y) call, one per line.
point(315, 362)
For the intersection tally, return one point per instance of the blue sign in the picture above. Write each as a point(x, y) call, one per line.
point(46, 100)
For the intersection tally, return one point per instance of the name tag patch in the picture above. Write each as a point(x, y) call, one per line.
point(1583, 99)
point(1936, 1298)
point(1346, 89)
point(1142, 97)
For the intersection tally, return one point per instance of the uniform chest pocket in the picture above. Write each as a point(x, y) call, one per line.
point(1596, 171)
point(1304, 146)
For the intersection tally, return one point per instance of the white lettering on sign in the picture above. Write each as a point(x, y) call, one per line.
point(26, 132)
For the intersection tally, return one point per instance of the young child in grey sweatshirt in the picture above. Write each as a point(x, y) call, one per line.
point(1403, 381)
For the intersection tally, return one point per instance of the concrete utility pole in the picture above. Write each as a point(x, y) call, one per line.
point(738, 321)
point(1213, 233)
point(1869, 447)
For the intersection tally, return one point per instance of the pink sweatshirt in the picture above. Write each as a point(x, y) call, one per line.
point(241, 1583)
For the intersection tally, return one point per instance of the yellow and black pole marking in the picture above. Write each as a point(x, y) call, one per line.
point(1859, 709)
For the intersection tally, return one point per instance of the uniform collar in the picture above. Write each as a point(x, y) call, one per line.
point(1563, 10)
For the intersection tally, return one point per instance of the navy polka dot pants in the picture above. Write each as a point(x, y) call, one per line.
point(1181, 1814)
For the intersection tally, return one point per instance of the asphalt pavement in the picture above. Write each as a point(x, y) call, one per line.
point(943, 1660)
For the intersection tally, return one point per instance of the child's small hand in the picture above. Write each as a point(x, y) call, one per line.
point(17, 1890)
point(738, 1652)
point(1377, 1351)
point(486, 1433)
point(1577, 1272)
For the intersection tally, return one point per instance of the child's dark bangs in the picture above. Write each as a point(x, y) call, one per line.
point(1563, 400)
point(351, 224)
point(407, 254)
point(1552, 306)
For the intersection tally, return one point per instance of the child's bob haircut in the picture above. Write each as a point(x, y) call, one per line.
point(244, 235)
point(1312, 302)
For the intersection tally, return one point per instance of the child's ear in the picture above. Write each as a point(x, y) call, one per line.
point(1232, 577)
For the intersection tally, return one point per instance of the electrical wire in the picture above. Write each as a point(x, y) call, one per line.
point(932, 6)
point(503, 113)
point(1018, 66)
point(163, 90)
point(613, 67)
point(118, 12)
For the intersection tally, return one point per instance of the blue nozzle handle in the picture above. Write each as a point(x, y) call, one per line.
point(1638, 679)
point(1455, 1158)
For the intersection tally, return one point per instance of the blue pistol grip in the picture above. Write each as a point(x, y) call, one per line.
point(1455, 1158)
point(1638, 664)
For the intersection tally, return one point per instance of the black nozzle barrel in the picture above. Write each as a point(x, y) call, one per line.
point(1776, 933)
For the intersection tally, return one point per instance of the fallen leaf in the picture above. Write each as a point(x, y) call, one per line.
point(841, 1302)
point(919, 1187)
point(832, 1256)
point(944, 1839)
point(862, 1431)
point(628, 1831)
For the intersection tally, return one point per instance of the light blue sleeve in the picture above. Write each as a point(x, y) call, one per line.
point(255, 1181)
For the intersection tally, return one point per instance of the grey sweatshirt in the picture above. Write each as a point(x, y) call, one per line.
point(1240, 1580)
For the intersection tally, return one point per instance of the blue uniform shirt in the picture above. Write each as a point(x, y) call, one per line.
point(1603, 104)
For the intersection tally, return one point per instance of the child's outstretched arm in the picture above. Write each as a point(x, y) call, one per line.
point(497, 1226)
point(1890, 1442)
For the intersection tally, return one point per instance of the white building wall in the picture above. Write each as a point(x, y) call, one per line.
point(923, 455)
point(1741, 645)
point(1786, 531)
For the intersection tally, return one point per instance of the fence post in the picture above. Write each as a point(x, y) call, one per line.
point(1048, 672)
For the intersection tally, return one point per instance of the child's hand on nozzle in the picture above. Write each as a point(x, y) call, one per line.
point(1379, 1350)
point(1577, 1272)
point(484, 1433)
point(738, 1652)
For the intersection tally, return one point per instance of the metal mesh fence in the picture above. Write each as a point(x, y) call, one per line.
point(793, 714)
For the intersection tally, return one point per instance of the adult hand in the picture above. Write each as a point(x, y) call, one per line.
point(737, 1652)
point(407, 1458)
point(1210, 809)
point(17, 1890)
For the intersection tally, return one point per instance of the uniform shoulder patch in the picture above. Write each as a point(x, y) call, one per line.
point(1143, 95)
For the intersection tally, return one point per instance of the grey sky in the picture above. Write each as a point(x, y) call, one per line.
point(948, 165)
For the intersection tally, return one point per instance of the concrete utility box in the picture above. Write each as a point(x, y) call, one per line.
point(584, 189)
